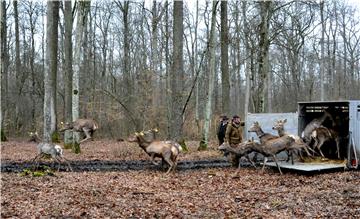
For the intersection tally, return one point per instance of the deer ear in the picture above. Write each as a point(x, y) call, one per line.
point(136, 133)
point(156, 130)
point(142, 133)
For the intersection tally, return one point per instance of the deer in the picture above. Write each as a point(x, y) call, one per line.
point(87, 126)
point(55, 151)
point(260, 133)
point(264, 137)
point(271, 148)
point(34, 137)
point(243, 149)
point(323, 134)
point(298, 143)
point(166, 150)
point(315, 123)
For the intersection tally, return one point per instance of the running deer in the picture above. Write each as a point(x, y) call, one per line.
point(166, 150)
point(55, 151)
point(242, 150)
point(298, 144)
point(315, 123)
point(260, 133)
point(264, 137)
point(272, 147)
point(87, 126)
point(34, 137)
point(323, 134)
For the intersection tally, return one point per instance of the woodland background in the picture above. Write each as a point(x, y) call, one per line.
point(134, 65)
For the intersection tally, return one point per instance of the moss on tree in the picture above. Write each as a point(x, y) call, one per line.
point(76, 148)
point(202, 145)
point(3, 136)
point(55, 137)
point(183, 145)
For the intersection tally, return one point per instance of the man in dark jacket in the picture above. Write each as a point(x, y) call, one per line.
point(233, 135)
point(222, 128)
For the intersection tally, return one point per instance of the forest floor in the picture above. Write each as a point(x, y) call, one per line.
point(204, 186)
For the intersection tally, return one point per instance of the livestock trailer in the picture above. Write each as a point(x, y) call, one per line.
point(346, 115)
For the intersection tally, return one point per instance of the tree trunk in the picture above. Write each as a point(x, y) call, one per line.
point(225, 83)
point(17, 65)
point(68, 22)
point(177, 73)
point(4, 67)
point(322, 61)
point(264, 43)
point(247, 61)
point(208, 109)
point(83, 9)
point(51, 70)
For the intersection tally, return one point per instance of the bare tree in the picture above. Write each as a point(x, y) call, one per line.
point(263, 57)
point(247, 59)
point(68, 21)
point(209, 99)
point(82, 10)
point(4, 66)
point(225, 83)
point(18, 84)
point(177, 73)
point(50, 69)
point(322, 62)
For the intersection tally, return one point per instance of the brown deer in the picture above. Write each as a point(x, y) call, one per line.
point(166, 150)
point(255, 127)
point(87, 126)
point(315, 123)
point(298, 144)
point(34, 137)
point(271, 148)
point(323, 134)
point(242, 150)
point(264, 137)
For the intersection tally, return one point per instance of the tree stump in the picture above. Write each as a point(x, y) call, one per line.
point(72, 141)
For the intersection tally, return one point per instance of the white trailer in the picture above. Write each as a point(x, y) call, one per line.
point(345, 113)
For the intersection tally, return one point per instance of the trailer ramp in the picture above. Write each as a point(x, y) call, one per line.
point(309, 166)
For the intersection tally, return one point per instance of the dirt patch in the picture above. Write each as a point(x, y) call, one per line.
point(116, 180)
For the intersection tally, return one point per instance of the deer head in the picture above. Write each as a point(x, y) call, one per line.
point(279, 124)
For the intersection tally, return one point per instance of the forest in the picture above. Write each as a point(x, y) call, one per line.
point(153, 76)
point(177, 66)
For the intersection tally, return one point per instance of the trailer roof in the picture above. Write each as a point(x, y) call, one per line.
point(330, 101)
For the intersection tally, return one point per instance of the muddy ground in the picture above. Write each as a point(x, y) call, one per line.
point(116, 180)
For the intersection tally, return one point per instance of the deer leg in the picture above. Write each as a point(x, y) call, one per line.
point(319, 146)
point(58, 161)
point(174, 160)
point(337, 147)
point(263, 167)
point(315, 145)
point(277, 164)
point(35, 160)
point(169, 161)
point(248, 158)
point(152, 156)
point(68, 163)
point(87, 133)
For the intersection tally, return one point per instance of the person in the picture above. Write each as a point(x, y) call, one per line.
point(222, 128)
point(233, 135)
